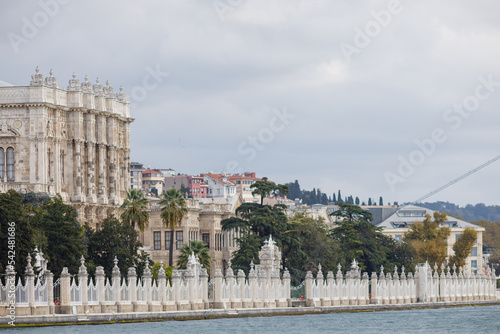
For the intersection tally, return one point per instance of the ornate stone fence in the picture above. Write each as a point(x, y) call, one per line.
point(263, 288)
point(423, 286)
point(80, 295)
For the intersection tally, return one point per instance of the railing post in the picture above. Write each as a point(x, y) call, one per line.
point(189, 277)
point(132, 287)
point(147, 279)
point(101, 294)
point(162, 285)
point(29, 277)
point(204, 287)
point(286, 282)
point(309, 289)
point(230, 284)
point(83, 282)
point(263, 282)
point(115, 281)
point(320, 281)
point(252, 283)
point(65, 291)
point(366, 287)
point(340, 284)
point(218, 288)
point(176, 288)
point(241, 284)
point(373, 285)
point(49, 281)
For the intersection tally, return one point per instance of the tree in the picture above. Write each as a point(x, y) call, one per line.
point(65, 243)
point(380, 201)
point(114, 239)
point(334, 199)
point(369, 201)
point(339, 197)
point(428, 239)
point(199, 249)
point(16, 226)
point(173, 208)
point(156, 268)
point(463, 247)
point(265, 188)
point(249, 246)
point(359, 239)
point(135, 208)
point(357, 200)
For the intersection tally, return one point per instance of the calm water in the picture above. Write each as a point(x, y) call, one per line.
point(483, 319)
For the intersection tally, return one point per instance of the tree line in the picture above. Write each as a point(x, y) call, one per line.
point(315, 196)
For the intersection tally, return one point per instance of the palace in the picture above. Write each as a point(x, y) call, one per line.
point(74, 142)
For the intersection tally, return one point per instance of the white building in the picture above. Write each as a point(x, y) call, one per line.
point(219, 185)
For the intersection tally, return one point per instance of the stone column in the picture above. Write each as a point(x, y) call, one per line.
point(29, 277)
point(49, 281)
point(412, 288)
point(115, 281)
point(77, 167)
point(147, 280)
point(384, 296)
point(101, 294)
point(102, 194)
point(65, 284)
point(320, 281)
point(113, 196)
point(373, 287)
point(309, 289)
point(204, 286)
point(176, 288)
point(217, 288)
point(395, 280)
point(132, 287)
point(83, 282)
point(91, 174)
point(189, 277)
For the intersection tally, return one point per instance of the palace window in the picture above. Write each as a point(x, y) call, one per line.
point(2, 164)
point(10, 165)
point(157, 240)
point(178, 237)
point(167, 240)
point(474, 251)
point(473, 263)
point(205, 237)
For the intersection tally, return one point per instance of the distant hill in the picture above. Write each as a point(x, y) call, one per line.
point(469, 212)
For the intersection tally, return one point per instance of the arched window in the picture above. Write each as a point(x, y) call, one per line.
point(10, 165)
point(2, 164)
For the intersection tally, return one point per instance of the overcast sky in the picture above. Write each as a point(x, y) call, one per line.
point(335, 94)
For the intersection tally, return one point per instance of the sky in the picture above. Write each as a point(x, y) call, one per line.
point(375, 98)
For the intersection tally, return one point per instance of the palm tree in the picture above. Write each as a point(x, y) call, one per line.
point(135, 208)
point(199, 249)
point(173, 208)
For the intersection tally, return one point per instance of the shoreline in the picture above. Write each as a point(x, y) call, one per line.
point(111, 318)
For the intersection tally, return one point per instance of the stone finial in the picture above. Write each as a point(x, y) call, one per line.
point(454, 268)
point(37, 78)
point(241, 273)
point(365, 276)
point(82, 270)
point(218, 272)
point(87, 85)
point(147, 270)
point(309, 274)
point(74, 84)
point(131, 272)
point(64, 272)
point(29, 268)
point(203, 272)
point(108, 90)
point(99, 271)
point(121, 96)
point(161, 271)
point(410, 275)
point(51, 81)
point(97, 88)
point(116, 270)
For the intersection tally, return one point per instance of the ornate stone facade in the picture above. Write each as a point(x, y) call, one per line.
point(74, 142)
